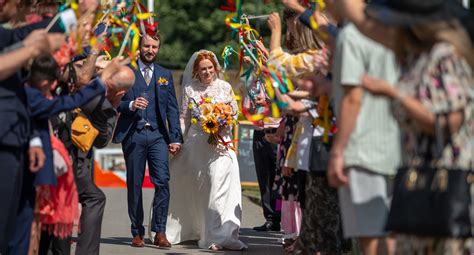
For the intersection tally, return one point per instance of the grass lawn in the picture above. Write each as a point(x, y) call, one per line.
point(252, 192)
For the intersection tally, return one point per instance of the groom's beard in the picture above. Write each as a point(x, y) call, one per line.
point(147, 58)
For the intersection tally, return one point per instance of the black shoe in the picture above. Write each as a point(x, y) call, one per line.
point(275, 227)
point(268, 226)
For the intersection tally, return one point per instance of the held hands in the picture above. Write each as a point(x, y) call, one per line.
point(37, 158)
point(174, 148)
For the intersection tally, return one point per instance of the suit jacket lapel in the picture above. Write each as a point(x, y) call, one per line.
point(158, 89)
point(138, 75)
point(159, 104)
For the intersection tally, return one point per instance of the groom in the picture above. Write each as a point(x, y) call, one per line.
point(148, 128)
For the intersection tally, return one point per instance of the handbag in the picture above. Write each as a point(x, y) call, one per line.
point(83, 132)
point(429, 199)
point(319, 154)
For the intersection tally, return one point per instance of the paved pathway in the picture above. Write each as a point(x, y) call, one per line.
point(116, 230)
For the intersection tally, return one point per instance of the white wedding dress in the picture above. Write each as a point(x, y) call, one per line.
point(205, 191)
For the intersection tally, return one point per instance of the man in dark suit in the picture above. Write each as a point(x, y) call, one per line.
point(145, 137)
point(102, 113)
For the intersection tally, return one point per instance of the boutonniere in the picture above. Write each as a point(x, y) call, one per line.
point(162, 81)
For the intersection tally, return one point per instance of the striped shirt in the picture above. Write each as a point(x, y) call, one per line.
point(374, 143)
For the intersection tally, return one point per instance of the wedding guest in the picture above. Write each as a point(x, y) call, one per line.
point(16, 131)
point(436, 56)
point(44, 74)
point(366, 151)
point(101, 111)
point(264, 154)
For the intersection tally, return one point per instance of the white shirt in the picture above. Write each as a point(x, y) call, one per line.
point(142, 67)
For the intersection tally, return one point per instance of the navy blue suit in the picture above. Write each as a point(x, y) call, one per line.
point(145, 137)
point(41, 109)
point(15, 132)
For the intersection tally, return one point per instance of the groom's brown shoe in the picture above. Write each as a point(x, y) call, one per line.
point(161, 241)
point(137, 241)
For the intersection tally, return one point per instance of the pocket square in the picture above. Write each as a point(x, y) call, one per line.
point(162, 81)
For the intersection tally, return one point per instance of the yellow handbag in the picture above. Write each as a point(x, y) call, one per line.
point(83, 132)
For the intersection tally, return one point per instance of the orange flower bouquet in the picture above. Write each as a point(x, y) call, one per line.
point(213, 117)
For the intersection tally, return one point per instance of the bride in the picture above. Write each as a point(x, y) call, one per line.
point(205, 202)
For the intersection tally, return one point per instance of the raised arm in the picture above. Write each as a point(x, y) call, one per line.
point(17, 56)
point(274, 23)
point(41, 107)
point(294, 65)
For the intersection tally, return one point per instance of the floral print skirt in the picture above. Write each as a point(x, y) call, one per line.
point(321, 227)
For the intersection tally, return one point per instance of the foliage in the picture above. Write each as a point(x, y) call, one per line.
point(187, 26)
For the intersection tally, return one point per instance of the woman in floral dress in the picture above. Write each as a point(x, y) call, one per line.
point(436, 56)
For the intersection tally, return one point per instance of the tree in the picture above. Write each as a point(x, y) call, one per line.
point(187, 26)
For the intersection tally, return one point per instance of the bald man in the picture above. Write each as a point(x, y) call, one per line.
point(119, 84)
point(101, 112)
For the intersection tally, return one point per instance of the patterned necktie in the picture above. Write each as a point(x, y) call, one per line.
point(147, 74)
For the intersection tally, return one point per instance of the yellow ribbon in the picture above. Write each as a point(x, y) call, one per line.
point(145, 15)
point(135, 41)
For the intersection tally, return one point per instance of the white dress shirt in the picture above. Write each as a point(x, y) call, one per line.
point(142, 67)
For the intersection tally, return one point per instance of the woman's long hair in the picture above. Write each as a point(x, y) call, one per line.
point(412, 41)
point(303, 39)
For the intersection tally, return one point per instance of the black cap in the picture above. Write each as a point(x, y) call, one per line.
point(413, 12)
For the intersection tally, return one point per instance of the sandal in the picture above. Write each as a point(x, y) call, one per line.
point(215, 247)
point(291, 248)
point(287, 242)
